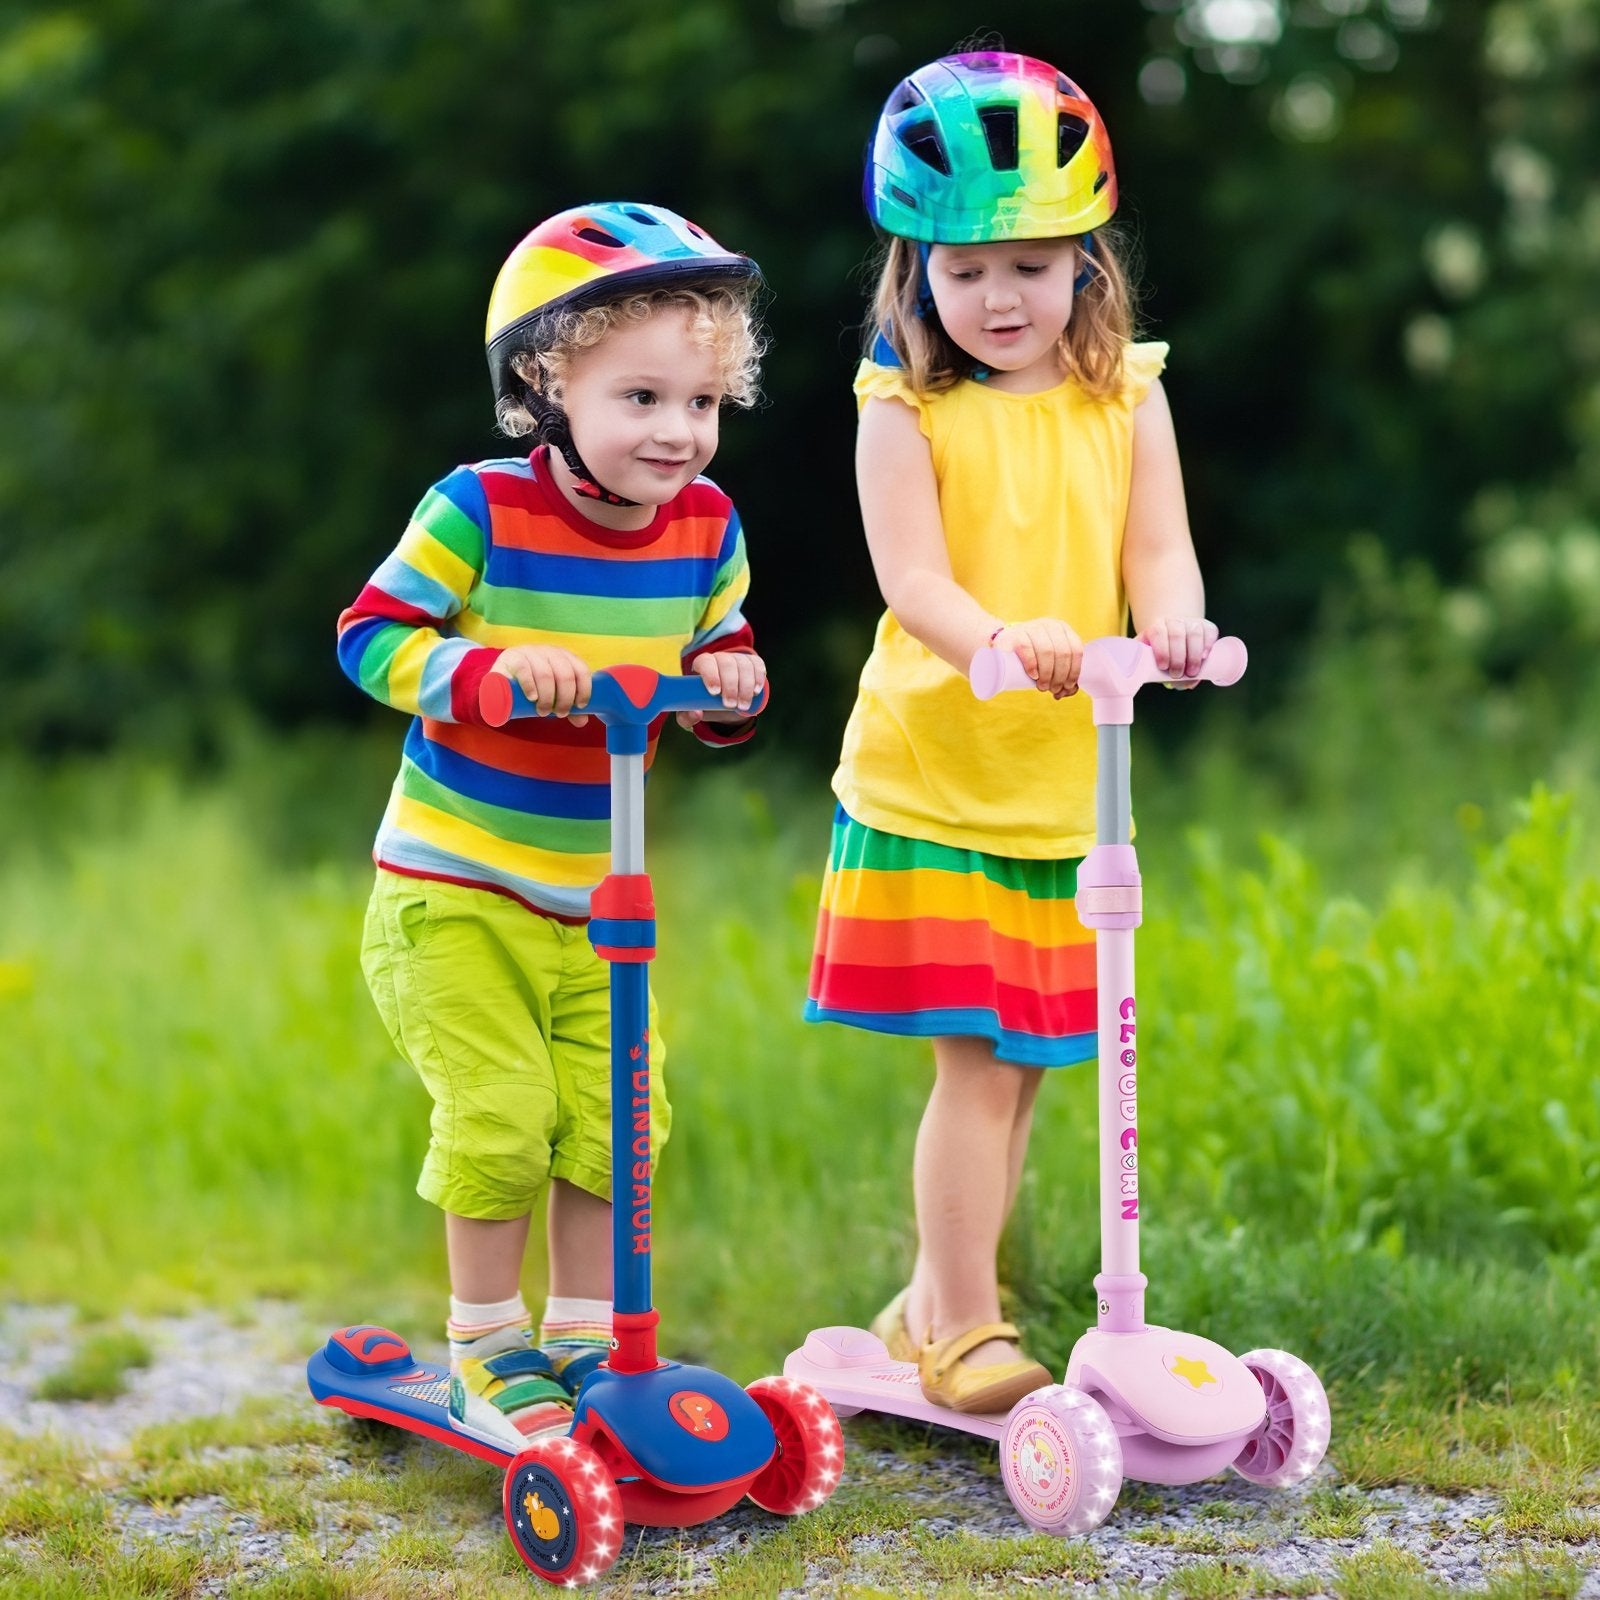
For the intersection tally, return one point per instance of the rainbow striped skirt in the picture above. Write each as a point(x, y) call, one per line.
point(926, 940)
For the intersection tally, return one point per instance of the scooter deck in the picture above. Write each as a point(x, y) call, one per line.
point(375, 1375)
point(853, 1371)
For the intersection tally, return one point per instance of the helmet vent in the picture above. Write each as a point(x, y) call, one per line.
point(642, 216)
point(1071, 131)
point(924, 143)
point(593, 235)
point(909, 201)
point(1000, 129)
point(1101, 181)
point(906, 95)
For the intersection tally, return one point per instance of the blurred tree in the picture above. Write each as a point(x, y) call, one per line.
point(245, 251)
point(1385, 288)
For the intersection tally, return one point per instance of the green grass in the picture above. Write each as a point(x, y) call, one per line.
point(1370, 1010)
point(98, 1368)
point(316, 1484)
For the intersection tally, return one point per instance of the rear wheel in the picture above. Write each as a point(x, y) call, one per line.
point(1288, 1446)
point(562, 1511)
point(806, 1466)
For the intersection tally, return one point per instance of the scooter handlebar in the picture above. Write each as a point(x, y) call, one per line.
point(1114, 670)
point(627, 694)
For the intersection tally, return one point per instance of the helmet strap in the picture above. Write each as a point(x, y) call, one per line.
point(1086, 272)
point(552, 428)
point(924, 287)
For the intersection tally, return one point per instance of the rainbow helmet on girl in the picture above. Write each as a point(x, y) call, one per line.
point(988, 146)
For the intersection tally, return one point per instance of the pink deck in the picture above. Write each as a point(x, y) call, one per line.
point(853, 1371)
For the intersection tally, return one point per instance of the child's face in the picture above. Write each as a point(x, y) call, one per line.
point(1007, 304)
point(642, 405)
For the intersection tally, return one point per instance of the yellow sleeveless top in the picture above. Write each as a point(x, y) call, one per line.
point(1033, 493)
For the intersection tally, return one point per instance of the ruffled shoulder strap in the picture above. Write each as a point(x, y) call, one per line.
point(1142, 364)
point(874, 382)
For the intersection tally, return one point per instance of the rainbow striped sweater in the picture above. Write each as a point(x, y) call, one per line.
point(495, 556)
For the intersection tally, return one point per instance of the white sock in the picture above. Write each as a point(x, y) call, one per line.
point(569, 1319)
point(467, 1313)
point(487, 1330)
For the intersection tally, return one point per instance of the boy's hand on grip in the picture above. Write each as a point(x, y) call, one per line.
point(737, 675)
point(556, 680)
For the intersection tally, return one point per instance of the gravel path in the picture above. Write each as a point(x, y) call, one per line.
point(1154, 1533)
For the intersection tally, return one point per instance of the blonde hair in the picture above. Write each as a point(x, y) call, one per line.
point(1091, 347)
point(722, 319)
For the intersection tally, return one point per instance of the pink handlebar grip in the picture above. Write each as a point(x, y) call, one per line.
point(993, 670)
point(1227, 661)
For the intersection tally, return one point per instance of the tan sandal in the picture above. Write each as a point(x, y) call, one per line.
point(948, 1381)
point(890, 1326)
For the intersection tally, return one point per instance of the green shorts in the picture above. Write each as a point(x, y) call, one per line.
point(506, 1017)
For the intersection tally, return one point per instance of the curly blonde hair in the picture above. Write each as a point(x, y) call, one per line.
point(1098, 331)
point(722, 319)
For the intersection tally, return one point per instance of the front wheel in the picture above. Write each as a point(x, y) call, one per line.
point(1061, 1461)
point(1293, 1439)
point(806, 1466)
point(562, 1511)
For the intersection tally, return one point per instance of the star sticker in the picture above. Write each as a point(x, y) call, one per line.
point(1195, 1372)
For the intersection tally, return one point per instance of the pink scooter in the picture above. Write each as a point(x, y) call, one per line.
point(1142, 1402)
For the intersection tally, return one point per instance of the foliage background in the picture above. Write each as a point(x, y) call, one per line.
point(245, 251)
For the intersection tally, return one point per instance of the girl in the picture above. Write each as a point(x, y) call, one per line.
point(1020, 487)
point(616, 333)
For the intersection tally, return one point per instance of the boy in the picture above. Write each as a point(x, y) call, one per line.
point(615, 333)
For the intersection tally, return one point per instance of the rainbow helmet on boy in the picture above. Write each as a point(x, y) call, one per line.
point(987, 146)
point(585, 257)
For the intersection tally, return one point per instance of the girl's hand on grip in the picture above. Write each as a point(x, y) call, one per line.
point(1180, 644)
point(1050, 651)
point(554, 679)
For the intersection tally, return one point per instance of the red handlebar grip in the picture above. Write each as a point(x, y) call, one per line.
point(494, 699)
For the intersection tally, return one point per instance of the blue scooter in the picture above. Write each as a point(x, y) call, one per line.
point(651, 1442)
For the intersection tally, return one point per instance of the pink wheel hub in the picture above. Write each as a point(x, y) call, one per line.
point(1294, 1438)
